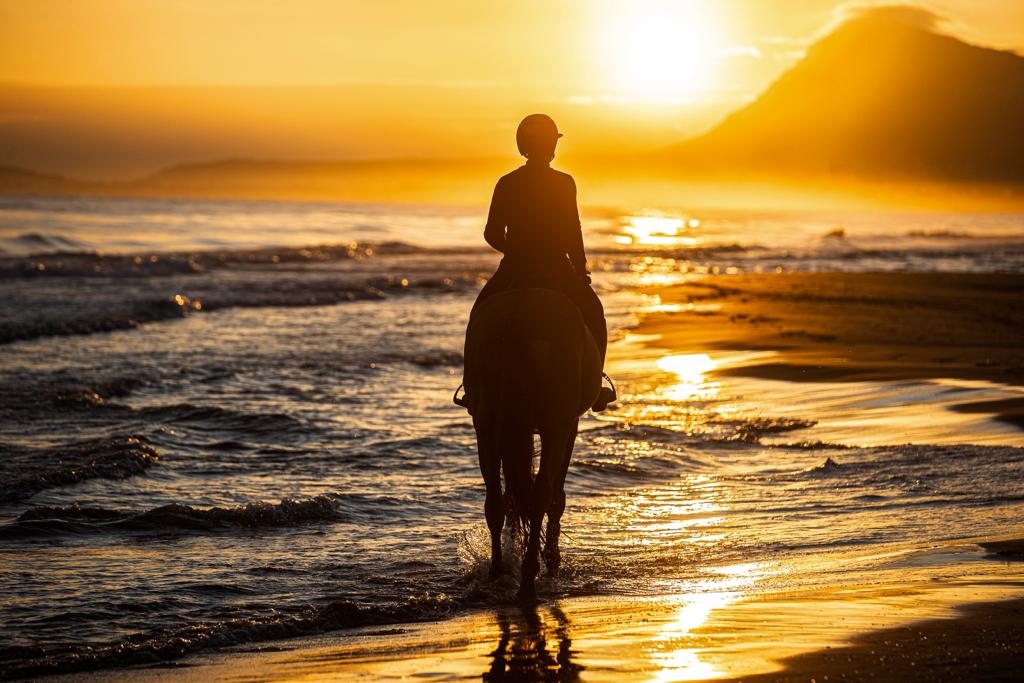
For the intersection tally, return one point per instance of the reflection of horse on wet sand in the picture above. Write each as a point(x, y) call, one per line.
point(532, 366)
point(522, 653)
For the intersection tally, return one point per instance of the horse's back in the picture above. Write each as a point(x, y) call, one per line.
point(531, 348)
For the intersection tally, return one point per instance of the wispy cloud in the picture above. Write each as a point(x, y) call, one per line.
point(911, 14)
point(748, 51)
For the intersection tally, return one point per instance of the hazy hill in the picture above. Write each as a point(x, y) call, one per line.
point(15, 179)
point(400, 180)
point(879, 97)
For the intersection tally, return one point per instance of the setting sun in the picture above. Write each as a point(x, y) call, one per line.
point(663, 50)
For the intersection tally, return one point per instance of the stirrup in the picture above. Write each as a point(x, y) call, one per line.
point(460, 400)
point(605, 395)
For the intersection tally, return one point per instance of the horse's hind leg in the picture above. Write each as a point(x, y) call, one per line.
point(552, 555)
point(494, 507)
point(553, 462)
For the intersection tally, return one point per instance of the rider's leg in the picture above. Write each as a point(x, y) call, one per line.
point(593, 315)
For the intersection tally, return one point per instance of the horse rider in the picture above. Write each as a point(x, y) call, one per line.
point(535, 223)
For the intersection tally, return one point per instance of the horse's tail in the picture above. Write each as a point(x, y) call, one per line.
point(515, 447)
point(516, 424)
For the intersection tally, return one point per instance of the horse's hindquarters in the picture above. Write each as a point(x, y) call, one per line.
point(528, 350)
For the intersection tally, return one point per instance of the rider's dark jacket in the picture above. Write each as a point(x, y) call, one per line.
point(534, 220)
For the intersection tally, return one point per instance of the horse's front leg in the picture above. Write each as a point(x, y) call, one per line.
point(494, 506)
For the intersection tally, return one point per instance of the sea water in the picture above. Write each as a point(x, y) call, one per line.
point(229, 422)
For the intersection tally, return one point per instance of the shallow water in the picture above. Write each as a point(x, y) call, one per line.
point(203, 448)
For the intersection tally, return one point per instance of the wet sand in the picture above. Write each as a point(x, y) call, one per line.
point(983, 644)
point(850, 327)
point(906, 632)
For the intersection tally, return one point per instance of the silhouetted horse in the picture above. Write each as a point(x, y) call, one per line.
point(532, 366)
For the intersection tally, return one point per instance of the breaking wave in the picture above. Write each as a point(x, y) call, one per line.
point(78, 262)
point(32, 470)
point(120, 313)
point(75, 519)
point(29, 243)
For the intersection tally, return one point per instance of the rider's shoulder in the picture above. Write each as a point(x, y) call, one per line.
point(524, 173)
point(564, 177)
point(509, 177)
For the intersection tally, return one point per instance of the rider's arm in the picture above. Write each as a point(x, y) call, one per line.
point(577, 255)
point(494, 232)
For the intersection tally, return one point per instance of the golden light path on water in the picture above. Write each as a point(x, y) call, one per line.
point(677, 397)
point(689, 369)
point(671, 515)
point(676, 652)
point(658, 230)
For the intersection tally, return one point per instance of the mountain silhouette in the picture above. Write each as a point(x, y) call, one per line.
point(882, 96)
point(15, 179)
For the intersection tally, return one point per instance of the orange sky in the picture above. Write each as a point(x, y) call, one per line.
point(116, 88)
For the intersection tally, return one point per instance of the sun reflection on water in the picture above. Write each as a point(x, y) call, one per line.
point(680, 655)
point(655, 271)
point(659, 231)
point(684, 403)
point(689, 369)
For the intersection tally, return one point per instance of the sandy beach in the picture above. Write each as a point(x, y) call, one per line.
point(852, 326)
point(794, 342)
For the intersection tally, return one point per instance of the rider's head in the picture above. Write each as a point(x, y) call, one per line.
point(536, 137)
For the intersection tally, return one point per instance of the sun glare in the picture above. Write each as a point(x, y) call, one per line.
point(658, 230)
point(689, 369)
point(663, 50)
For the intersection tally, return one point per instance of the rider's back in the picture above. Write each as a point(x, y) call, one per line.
point(534, 216)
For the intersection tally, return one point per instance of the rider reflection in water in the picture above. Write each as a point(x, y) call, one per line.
point(535, 223)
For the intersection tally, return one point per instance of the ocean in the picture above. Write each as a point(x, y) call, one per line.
point(230, 422)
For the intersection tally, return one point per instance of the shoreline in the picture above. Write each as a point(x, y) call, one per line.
point(916, 631)
point(981, 643)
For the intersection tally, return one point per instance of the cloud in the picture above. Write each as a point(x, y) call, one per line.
point(741, 51)
point(914, 15)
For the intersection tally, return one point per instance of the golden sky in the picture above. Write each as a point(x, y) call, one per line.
point(120, 87)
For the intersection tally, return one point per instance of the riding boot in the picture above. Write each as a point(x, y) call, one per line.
point(599, 330)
